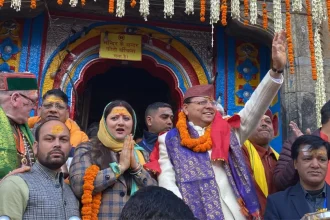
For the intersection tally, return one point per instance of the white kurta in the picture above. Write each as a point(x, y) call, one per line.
point(250, 116)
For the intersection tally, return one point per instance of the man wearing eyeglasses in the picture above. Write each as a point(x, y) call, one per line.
point(18, 96)
point(55, 106)
point(201, 159)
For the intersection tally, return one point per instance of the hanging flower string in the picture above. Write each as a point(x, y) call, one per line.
point(224, 13)
point(189, 7)
point(33, 4)
point(133, 3)
point(60, 2)
point(120, 10)
point(16, 5)
point(1, 3)
point(289, 36)
point(253, 11)
point(83, 2)
point(91, 204)
point(168, 8)
point(246, 12)
point(235, 10)
point(328, 12)
point(297, 5)
point(311, 38)
point(144, 9)
point(203, 8)
point(264, 16)
point(111, 6)
point(277, 15)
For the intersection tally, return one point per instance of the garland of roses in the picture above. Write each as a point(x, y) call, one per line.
point(224, 13)
point(111, 6)
point(133, 3)
point(203, 8)
point(1, 3)
point(264, 16)
point(246, 12)
point(201, 144)
point(311, 38)
point(33, 4)
point(91, 204)
point(289, 36)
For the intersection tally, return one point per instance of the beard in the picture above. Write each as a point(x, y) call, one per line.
point(53, 163)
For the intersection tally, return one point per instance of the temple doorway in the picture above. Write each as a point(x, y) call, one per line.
point(135, 85)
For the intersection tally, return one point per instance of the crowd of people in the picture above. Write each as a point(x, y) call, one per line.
point(206, 166)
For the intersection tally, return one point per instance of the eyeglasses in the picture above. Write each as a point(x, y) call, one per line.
point(57, 106)
point(31, 101)
point(204, 102)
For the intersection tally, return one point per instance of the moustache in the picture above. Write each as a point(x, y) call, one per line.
point(56, 151)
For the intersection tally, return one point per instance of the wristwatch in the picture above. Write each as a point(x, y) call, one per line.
point(277, 71)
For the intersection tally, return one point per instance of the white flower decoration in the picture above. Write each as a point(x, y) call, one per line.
point(168, 8)
point(214, 11)
point(120, 11)
point(189, 7)
point(235, 9)
point(144, 9)
point(297, 5)
point(317, 11)
point(16, 5)
point(277, 15)
point(73, 3)
point(253, 11)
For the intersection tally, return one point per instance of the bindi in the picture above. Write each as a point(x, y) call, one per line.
point(57, 129)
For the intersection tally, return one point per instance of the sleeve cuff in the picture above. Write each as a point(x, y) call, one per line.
point(279, 81)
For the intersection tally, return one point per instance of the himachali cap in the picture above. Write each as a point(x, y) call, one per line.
point(18, 81)
point(274, 120)
point(199, 90)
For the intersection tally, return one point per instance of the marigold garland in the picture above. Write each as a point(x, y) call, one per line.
point(246, 12)
point(224, 13)
point(264, 15)
point(91, 204)
point(203, 8)
point(59, 2)
point(289, 36)
point(311, 39)
point(133, 3)
point(83, 2)
point(111, 6)
point(328, 11)
point(1, 3)
point(201, 144)
point(33, 4)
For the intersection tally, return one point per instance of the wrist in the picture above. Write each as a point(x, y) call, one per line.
point(136, 168)
point(277, 70)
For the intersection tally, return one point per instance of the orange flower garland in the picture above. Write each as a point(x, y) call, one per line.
point(201, 144)
point(311, 39)
point(289, 36)
point(133, 3)
point(202, 13)
point(111, 6)
point(33, 4)
point(1, 3)
point(83, 2)
point(264, 15)
point(224, 13)
point(60, 2)
point(328, 10)
point(246, 12)
point(91, 204)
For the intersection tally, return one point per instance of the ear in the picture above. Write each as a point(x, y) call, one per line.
point(148, 120)
point(14, 98)
point(35, 147)
point(295, 164)
point(185, 109)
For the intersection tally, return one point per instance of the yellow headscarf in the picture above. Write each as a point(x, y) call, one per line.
point(110, 142)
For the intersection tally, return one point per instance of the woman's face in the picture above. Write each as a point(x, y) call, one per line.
point(120, 123)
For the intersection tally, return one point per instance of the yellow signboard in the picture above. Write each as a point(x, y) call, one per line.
point(121, 47)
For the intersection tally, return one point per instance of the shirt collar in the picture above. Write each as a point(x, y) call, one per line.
point(322, 194)
point(262, 151)
point(48, 173)
point(199, 129)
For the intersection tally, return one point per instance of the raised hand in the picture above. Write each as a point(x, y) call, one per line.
point(125, 155)
point(279, 50)
point(296, 130)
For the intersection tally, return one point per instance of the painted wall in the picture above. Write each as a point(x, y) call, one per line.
point(241, 66)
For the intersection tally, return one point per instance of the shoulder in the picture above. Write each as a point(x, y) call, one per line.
point(13, 184)
point(281, 196)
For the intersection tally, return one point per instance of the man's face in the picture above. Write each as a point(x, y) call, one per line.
point(312, 165)
point(54, 107)
point(160, 120)
point(53, 148)
point(23, 102)
point(264, 133)
point(200, 110)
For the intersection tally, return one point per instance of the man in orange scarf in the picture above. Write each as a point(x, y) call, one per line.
point(260, 158)
point(55, 106)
